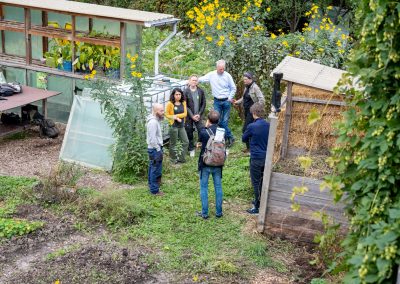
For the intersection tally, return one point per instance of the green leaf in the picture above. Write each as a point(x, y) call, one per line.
point(394, 213)
point(313, 117)
point(305, 162)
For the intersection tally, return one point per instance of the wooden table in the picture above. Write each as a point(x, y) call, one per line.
point(27, 96)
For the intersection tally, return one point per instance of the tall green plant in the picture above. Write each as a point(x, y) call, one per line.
point(125, 112)
point(367, 160)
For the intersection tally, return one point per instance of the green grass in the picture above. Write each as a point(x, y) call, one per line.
point(186, 243)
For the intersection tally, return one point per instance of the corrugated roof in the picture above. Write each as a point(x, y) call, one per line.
point(308, 73)
point(91, 10)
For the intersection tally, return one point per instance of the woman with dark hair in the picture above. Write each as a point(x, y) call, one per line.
point(176, 112)
point(251, 94)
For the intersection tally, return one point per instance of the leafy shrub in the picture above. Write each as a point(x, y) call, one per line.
point(366, 161)
point(113, 207)
point(13, 227)
point(59, 186)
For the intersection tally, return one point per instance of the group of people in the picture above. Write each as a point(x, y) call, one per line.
point(185, 111)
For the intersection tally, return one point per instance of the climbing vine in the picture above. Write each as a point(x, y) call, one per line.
point(367, 158)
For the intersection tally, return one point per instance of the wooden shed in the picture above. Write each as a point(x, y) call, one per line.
point(309, 85)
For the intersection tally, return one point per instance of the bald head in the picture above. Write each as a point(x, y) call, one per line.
point(158, 110)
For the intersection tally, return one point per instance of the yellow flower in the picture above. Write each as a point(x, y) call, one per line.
point(246, 35)
point(219, 26)
point(329, 7)
point(285, 43)
point(341, 51)
point(209, 38)
point(133, 66)
point(306, 24)
point(273, 36)
point(339, 43)
point(94, 72)
point(297, 52)
point(320, 49)
point(250, 19)
point(302, 39)
point(57, 282)
point(190, 14)
point(343, 36)
point(86, 77)
point(269, 9)
point(128, 55)
point(321, 27)
point(316, 30)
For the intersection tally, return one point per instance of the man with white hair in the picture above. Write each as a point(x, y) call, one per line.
point(154, 148)
point(223, 90)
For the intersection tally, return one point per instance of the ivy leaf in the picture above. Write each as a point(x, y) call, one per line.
point(295, 207)
point(313, 117)
point(394, 213)
point(305, 162)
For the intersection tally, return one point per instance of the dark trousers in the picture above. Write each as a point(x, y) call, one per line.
point(248, 118)
point(189, 127)
point(256, 174)
point(155, 169)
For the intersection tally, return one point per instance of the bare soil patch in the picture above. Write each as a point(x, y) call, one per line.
point(31, 156)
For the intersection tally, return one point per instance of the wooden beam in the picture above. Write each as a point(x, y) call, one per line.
point(90, 24)
point(267, 172)
point(45, 40)
point(122, 48)
point(317, 101)
point(288, 116)
point(3, 38)
point(28, 43)
point(73, 24)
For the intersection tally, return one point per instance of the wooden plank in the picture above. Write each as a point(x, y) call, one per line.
point(90, 25)
point(97, 40)
point(122, 36)
point(3, 38)
point(316, 101)
point(288, 116)
point(73, 32)
point(13, 26)
point(285, 183)
point(28, 43)
point(267, 171)
point(45, 40)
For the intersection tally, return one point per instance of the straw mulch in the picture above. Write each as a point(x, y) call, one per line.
point(318, 137)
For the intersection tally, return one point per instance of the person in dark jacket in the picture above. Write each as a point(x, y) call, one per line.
point(196, 105)
point(256, 135)
point(251, 94)
point(205, 171)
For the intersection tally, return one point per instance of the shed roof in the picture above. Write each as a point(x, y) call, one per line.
point(308, 73)
point(147, 19)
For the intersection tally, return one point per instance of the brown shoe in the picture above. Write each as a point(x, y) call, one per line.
point(160, 193)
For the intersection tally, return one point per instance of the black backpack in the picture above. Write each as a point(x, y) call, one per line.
point(48, 128)
point(9, 89)
point(10, 119)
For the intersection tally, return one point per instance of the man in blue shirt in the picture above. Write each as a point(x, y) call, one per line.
point(223, 90)
point(257, 135)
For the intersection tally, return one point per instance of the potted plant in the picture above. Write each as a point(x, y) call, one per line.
point(85, 61)
point(59, 54)
point(112, 62)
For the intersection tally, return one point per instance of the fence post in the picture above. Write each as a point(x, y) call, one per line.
point(267, 172)
point(288, 117)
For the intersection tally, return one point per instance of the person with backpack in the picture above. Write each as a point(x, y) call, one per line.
point(211, 160)
point(256, 135)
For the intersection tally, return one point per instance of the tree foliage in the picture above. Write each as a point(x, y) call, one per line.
point(367, 160)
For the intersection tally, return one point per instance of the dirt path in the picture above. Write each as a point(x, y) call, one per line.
point(59, 251)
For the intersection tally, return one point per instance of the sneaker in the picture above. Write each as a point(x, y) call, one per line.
point(199, 214)
point(219, 216)
point(230, 142)
point(160, 193)
point(252, 210)
point(191, 153)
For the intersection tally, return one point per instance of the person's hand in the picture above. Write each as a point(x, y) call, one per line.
point(178, 119)
point(198, 144)
point(196, 117)
point(233, 101)
point(208, 123)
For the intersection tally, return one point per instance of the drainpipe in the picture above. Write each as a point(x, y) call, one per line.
point(165, 41)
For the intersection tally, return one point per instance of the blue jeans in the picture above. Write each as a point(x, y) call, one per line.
point(224, 110)
point(257, 174)
point(216, 173)
point(155, 170)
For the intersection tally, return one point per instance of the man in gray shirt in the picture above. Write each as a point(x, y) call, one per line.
point(154, 148)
